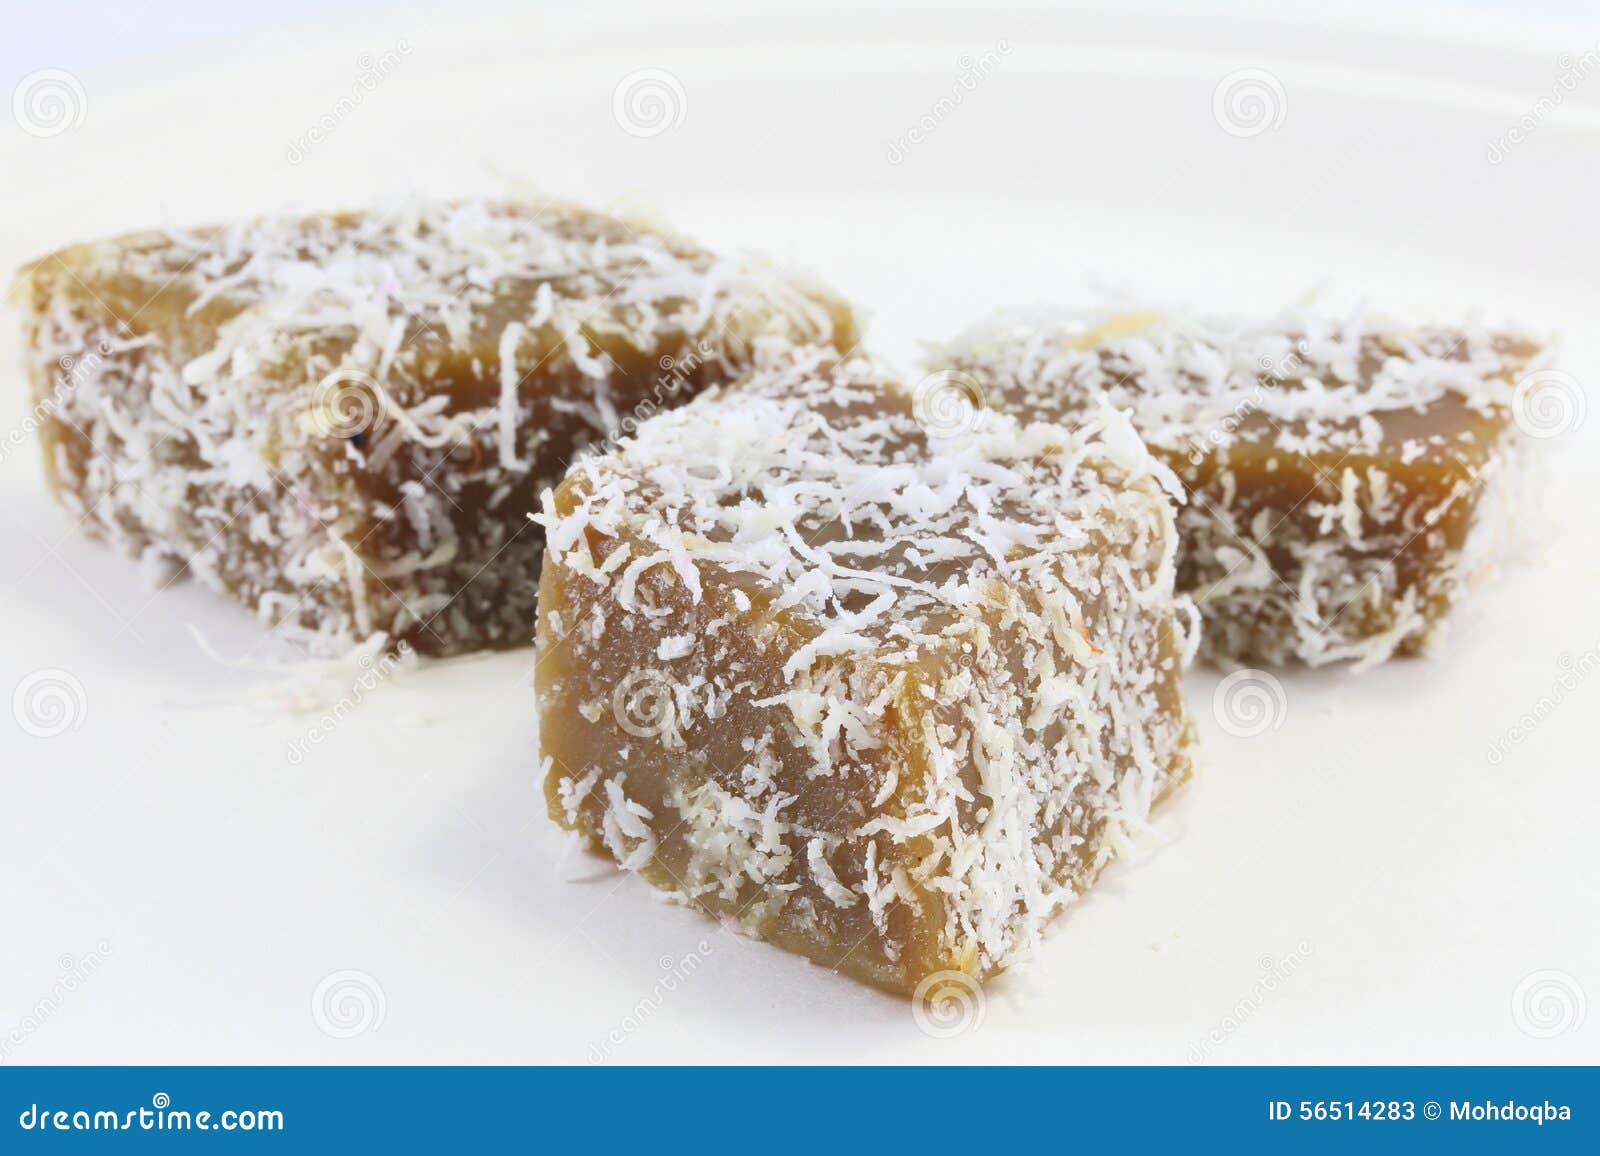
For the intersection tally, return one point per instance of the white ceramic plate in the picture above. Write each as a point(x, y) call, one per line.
point(1365, 880)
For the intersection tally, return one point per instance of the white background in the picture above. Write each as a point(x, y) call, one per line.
point(1437, 902)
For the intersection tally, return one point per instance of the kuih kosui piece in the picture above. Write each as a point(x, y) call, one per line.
point(885, 698)
point(345, 420)
point(1348, 479)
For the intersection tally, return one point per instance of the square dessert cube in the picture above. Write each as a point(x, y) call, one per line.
point(1348, 479)
point(344, 420)
point(882, 693)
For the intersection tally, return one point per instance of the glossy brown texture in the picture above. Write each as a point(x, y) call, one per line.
point(116, 330)
point(629, 724)
point(1349, 534)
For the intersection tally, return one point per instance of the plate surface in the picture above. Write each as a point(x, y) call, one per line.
point(1397, 866)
